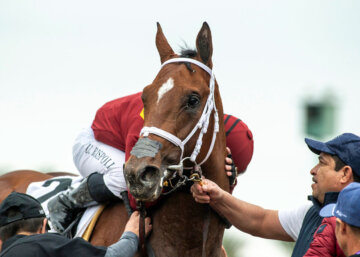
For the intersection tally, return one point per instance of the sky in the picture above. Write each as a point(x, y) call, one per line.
point(62, 60)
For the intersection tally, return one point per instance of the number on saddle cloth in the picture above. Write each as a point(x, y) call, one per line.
point(64, 184)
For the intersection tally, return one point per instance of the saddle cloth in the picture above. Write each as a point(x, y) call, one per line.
point(44, 191)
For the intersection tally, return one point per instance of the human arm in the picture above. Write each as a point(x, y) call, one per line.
point(128, 243)
point(247, 217)
point(125, 247)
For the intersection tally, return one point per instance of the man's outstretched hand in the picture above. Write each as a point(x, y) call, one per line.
point(209, 192)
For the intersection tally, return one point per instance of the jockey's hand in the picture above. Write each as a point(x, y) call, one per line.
point(133, 224)
point(209, 192)
point(228, 163)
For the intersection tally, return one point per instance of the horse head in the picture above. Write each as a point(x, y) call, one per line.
point(182, 107)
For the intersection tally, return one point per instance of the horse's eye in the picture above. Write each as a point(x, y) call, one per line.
point(193, 101)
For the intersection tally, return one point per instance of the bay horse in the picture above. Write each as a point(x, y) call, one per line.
point(181, 130)
point(174, 102)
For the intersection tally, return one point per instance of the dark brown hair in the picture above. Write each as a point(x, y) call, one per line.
point(339, 164)
point(30, 225)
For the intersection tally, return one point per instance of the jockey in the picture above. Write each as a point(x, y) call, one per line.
point(100, 152)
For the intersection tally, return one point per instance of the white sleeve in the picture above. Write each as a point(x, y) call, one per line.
point(291, 219)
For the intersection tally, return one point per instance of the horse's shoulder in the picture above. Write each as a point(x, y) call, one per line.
point(113, 216)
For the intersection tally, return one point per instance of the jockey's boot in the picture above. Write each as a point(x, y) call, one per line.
point(64, 207)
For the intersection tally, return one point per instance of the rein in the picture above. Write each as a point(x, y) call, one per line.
point(144, 245)
point(205, 229)
point(141, 208)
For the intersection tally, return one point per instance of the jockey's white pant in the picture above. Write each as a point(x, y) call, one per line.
point(92, 156)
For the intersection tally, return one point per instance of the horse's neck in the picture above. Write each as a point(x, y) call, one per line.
point(178, 222)
point(178, 227)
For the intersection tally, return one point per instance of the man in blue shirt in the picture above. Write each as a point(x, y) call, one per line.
point(338, 166)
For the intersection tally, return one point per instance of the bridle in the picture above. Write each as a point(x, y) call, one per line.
point(202, 124)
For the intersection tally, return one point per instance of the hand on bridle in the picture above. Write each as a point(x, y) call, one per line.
point(230, 168)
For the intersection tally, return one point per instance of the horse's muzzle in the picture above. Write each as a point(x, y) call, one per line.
point(143, 182)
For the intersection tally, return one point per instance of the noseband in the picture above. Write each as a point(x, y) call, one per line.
point(202, 124)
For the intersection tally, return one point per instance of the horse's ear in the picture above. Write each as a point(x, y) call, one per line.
point(204, 44)
point(162, 45)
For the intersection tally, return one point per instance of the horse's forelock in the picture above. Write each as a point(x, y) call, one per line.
point(188, 53)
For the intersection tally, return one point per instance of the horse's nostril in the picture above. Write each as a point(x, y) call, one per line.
point(131, 178)
point(149, 174)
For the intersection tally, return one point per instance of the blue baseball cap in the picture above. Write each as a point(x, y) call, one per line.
point(347, 207)
point(346, 147)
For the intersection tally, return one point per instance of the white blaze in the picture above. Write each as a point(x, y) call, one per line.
point(166, 87)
